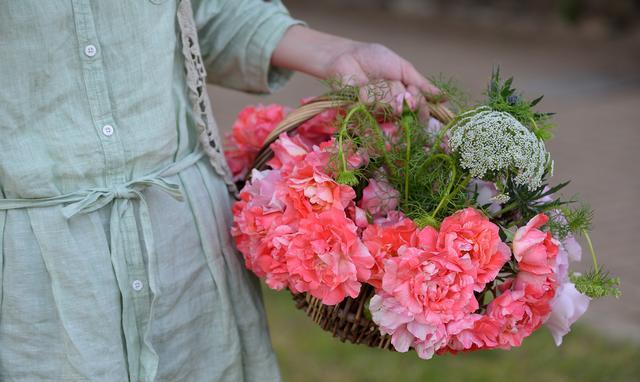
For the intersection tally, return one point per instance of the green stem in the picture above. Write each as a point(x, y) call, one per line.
point(343, 158)
point(593, 252)
point(447, 197)
point(376, 129)
point(407, 131)
point(508, 208)
point(441, 133)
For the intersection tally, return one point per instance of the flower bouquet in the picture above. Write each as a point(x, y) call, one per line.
point(440, 236)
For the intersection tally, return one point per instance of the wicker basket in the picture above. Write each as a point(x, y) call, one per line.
point(346, 320)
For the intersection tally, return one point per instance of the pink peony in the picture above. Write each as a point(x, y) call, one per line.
point(534, 249)
point(379, 197)
point(326, 258)
point(473, 244)
point(248, 133)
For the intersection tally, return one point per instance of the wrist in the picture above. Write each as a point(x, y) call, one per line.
point(309, 51)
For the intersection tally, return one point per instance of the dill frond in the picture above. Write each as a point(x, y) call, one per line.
point(597, 284)
point(451, 91)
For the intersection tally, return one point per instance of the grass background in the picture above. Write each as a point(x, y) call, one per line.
point(306, 353)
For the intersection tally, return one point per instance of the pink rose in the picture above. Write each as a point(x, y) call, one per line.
point(379, 197)
point(566, 308)
point(534, 249)
point(473, 244)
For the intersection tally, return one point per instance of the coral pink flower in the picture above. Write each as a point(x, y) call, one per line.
point(326, 258)
point(320, 190)
point(258, 222)
point(379, 197)
point(383, 238)
point(287, 151)
point(268, 259)
point(534, 249)
point(518, 315)
point(248, 133)
point(319, 128)
point(483, 333)
point(420, 294)
point(473, 243)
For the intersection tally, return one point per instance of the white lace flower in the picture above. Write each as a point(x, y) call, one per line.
point(489, 140)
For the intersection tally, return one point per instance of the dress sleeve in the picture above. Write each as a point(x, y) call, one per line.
point(237, 39)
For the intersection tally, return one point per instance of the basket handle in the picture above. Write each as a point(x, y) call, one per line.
point(315, 107)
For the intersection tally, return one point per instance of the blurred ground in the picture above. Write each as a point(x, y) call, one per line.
point(592, 83)
point(308, 354)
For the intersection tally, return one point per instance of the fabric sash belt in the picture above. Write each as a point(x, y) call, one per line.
point(92, 199)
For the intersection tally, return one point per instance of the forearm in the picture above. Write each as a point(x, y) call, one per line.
point(308, 51)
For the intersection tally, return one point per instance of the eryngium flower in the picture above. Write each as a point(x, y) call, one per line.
point(494, 141)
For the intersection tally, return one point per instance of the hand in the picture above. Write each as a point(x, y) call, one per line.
point(325, 56)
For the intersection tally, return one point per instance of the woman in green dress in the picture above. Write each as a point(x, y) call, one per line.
point(115, 257)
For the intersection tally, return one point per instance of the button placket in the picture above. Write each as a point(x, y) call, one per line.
point(132, 276)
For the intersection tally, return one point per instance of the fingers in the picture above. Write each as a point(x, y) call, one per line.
point(396, 94)
point(357, 78)
point(421, 103)
point(411, 77)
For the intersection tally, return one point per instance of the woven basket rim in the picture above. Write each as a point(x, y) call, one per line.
point(316, 106)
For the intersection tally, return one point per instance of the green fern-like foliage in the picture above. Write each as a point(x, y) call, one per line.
point(501, 96)
point(597, 284)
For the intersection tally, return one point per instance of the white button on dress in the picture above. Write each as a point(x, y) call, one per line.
point(137, 285)
point(90, 50)
point(107, 130)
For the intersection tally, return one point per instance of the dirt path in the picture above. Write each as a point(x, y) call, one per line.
point(593, 86)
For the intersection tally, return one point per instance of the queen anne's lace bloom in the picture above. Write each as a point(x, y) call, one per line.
point(493, 141)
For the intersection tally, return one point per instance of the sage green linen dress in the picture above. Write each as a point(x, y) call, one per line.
point(116, 261)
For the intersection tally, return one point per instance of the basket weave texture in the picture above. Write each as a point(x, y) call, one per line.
point(349, 320)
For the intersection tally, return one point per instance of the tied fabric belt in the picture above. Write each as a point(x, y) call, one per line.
point(92, 199)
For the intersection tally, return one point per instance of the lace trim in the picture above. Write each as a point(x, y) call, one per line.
point(196, 83)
